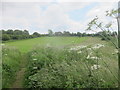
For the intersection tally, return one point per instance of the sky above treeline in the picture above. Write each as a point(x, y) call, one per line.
point(57, 15)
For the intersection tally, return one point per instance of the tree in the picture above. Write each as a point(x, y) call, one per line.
point(25, 32)
point(5, 37)
point(73, 34)
point(16, 37)
point(66, 33)
point(58, 33)
point(36, 34)
point(9, 31)
point(79, 34)
point(3, 31)
point(50, 32)
point(18, 32)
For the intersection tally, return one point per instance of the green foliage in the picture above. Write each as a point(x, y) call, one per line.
point(50, 32)
point(17, 35)
point(79, 34)
point(51, 64)
point(48, 69)
point(59, 68)
point(10, 65)
point(5, 37)
point(36, 34)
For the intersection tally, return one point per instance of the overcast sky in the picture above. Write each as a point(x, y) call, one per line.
point(58, 15)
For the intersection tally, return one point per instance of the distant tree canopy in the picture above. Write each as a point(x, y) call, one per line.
point(50, 32)
point(5, 37)
point(67, 33)
point(36, 34)
point(19, 34)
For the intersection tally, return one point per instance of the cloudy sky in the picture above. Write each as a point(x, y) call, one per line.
point(58, 15)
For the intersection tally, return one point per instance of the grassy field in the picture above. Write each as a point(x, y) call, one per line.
point(61, 62)
point(27, 45)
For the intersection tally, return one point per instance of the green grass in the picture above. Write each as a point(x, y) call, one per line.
point(50, 67)
point(27, 45)
point(11, 59)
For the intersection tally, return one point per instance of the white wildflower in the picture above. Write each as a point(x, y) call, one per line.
point(102, 80)
point(79, 52)
point(69, 50)
point(6, 54)
point(74, 49)
point(2, 44)
point(88, 56)
point(113, 53)
point(97, 46)
point(34, 67)
point(94, 58)
point(34, 53)
point(94, 67)
point(89, 49)
point(82, 46)
point(90, 53)
point(78, 47)
point(34, 59)
point(116, 50)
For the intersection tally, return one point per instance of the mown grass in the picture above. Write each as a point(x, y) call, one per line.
point(26, 45)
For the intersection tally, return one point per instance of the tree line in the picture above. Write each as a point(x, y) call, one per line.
point(24, 34)
point(102, 34)
point(17, 34)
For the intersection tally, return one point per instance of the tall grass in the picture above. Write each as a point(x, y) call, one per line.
point(11, 58)
point(63, 68)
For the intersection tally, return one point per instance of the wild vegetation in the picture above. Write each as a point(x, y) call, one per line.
point(11, 58)
point(60, 60)
point(64, 64)
point(74, 67)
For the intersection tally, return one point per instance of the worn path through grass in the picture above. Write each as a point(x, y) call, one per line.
point(19, 79)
